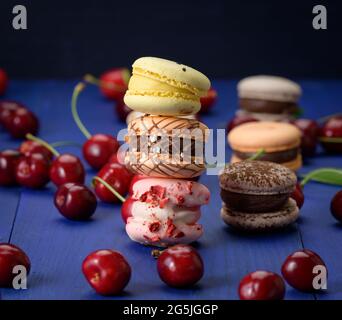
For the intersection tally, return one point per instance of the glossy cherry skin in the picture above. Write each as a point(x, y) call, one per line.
point(67, 168)
point(332, 128)
point(122, 110)
point(33, 171)
point(298, 267)
point(208, 101)
point(336, 206)
point(98, 149)
point(236, 121)
point(11, 256)
point(135, 179)
point(298, 195)
point(117, 83)
point(21, 123)
point(8, 163)
point(7, 110)
point(107, 271)
point(3, 81)
point(262, 285)
point(75, 201)
point(310, 130)
point(118, 177)
point(126, 209)
point(180, 266)
point(28, 147)
point(118, 157)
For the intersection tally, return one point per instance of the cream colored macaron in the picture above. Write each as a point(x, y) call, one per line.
point(271, 88)
point(164, 87)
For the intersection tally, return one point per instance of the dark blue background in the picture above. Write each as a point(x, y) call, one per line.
point(220, 37)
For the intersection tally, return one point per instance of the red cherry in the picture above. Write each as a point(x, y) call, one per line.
point(107, 271)
point(114, 83)
point(8, 163)
point(208, 101)
point(118, 177)
point(118, 157)
point(298, 267)
point(11, 256)
point(332, 129)
point(3, 81)
point(122, 110)
point(67, 168)
point(33, 171)
point(28, 147)
point(336, 206)
point(98, 149)
point(126, 209)
point(262, 285)
point(309, 129)
point(298, 195)
point(180, 266)
point(21, 123)
point(135, 179)
point(7, 110)
point(75, 201)
point(236, 121)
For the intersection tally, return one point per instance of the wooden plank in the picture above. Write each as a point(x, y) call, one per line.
point(57, 246)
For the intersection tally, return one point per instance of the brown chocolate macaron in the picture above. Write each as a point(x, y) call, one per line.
point(256, 195)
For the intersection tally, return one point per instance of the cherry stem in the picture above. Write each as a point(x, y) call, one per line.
point(89, 78)
point(65, 143)
point(155, 253)
point(31, 137)
point(331, 139)
point(79, 87)
point(110, 188)
point(257, 155)
point(311, 175)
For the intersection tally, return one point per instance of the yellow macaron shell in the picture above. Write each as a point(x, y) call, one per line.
point(270, 136)
point(164, 87)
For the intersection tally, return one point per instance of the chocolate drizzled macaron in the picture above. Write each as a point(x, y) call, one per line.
point(280, 142)
point(256, 195)
point(268, 97)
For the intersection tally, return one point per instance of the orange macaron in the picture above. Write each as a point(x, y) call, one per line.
point(279, 141)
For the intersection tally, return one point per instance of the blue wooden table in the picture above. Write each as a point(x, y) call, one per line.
point(57, 246)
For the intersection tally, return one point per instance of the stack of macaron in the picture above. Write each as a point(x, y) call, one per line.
point(256, 195)
point(268, 98)
point(280, 142)
point(166, 145)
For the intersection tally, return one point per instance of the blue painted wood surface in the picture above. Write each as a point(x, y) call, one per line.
point(57, 246)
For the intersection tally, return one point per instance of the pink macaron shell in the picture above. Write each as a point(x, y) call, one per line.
point(179, 192)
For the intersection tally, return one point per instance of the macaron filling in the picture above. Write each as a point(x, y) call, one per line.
point(268, 106)
point(278, 157)
point(251, 203)
point(147, 83)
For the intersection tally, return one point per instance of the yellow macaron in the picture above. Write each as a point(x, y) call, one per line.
point(165, 87)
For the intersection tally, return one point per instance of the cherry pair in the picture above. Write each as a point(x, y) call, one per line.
point(108, 272)
point(297, 270)
point(63, 169)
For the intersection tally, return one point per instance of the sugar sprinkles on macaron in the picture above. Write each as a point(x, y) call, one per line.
point(256, 195)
